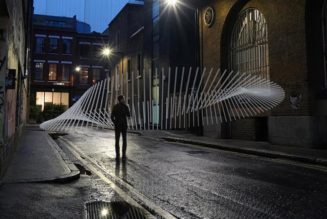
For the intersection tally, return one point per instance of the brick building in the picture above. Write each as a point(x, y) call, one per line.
point(282, 40)
point(66, 60)
point(248, 36)
point(146, 39)
point(15, 24)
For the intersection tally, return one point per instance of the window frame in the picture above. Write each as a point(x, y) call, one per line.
point(56, 72)
point(249, 44)
point(42, 49)
point(42, 72)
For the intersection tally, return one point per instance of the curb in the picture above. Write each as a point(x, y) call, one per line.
point(65, 178)
point(263, 153)
point(74, 172)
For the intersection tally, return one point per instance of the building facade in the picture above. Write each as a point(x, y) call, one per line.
point(15, 25)
point(286, 47)
point(66, 60)
point(146, 43)
point(248, 36)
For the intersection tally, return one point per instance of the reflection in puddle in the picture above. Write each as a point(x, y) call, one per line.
point(112, 210)
point(121, 169)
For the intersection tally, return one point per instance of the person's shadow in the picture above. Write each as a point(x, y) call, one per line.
point(121, 169)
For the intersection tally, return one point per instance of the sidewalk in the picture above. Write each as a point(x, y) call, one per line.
point(299, 154)
point(39, 159)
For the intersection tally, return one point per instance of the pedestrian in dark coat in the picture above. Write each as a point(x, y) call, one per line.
point(119, 115)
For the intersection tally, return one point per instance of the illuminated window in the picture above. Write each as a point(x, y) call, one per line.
point(64, 99)
point(38, 71)
point(48, 97)
point(52, 72)
point(40, 99)
point(249, 51)
point(58, 98)
point(84, 76)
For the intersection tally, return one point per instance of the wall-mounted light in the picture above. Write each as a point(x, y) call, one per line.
point(106, 51)
point(172, 3)
point(77, 68)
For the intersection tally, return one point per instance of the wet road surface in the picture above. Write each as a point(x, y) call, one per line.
point(194, 182)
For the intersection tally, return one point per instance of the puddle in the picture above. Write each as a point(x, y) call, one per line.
point(82, 170)
point(56, 135)
point(112, 210)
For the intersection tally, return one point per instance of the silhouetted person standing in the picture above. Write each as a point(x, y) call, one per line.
point(119, 115)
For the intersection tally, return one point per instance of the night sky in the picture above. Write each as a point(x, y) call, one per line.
point(97, 13)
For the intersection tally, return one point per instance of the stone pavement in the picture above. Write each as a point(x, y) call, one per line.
point(39, 159)
point(299, 154)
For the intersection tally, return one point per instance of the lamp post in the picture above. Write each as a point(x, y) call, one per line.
point(172, 3)
point(106, 52)
point(78, 68)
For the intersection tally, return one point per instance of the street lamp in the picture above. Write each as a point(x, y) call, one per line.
point(172, 3)
point(106, 51)
point(78, 68)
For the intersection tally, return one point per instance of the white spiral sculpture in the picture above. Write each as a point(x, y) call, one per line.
point(182, 99)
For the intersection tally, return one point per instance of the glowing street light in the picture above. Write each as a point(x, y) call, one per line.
point(77, 68)
point(172, 3)
point(106, 51)
point(104, 212)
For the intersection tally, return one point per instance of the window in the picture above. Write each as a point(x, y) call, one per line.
point(53, 45)
point(67, 46)
point(39, 45)
point(58, 98)
point(96, 50)
point(52, 72)
point(84, 50)
point(38, 71)
point(84, 77)
point(96, 75)
point(66, 69)
point(249, 44)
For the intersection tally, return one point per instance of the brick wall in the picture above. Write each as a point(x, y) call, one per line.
point(286, 21)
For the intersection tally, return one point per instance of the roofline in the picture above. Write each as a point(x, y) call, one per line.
point(128, 4)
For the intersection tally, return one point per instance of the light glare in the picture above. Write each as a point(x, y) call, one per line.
point(104, 212)
point(172, 2)
point(78, 68)
point(106, 51)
